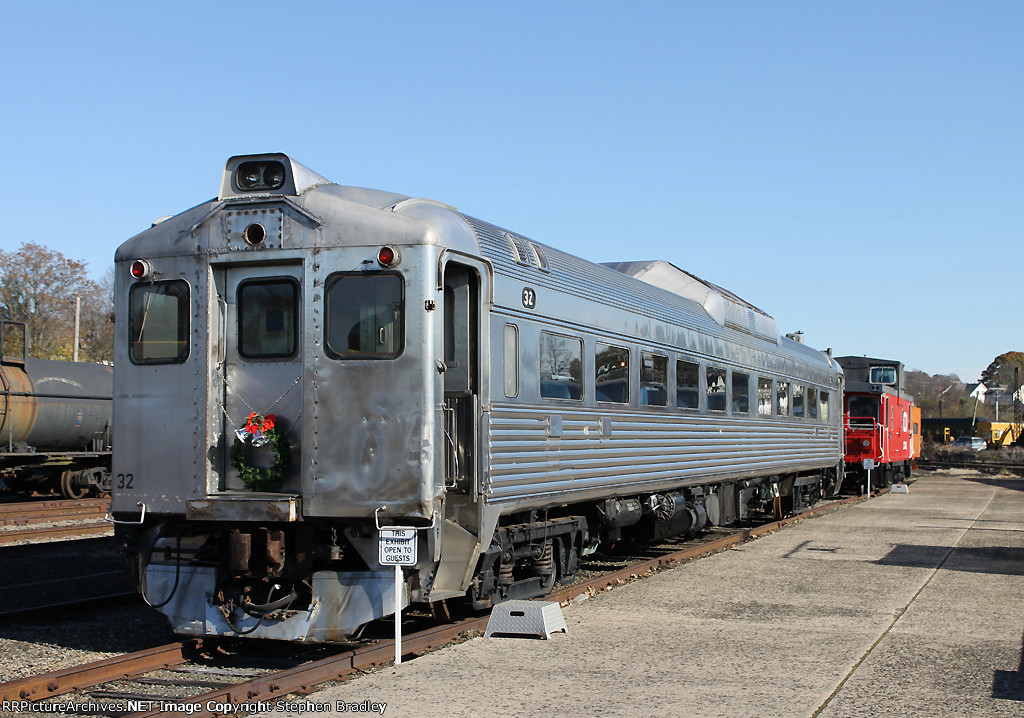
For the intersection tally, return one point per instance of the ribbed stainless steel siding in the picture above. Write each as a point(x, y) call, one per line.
point(644, 451)
point(602, 286)
point(580, 278)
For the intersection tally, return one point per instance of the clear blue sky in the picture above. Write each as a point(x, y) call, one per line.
point(855, 169)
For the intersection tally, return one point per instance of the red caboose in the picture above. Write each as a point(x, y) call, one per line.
point(877, 421)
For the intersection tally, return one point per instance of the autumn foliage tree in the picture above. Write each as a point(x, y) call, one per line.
point(1000, 372)
point(38, 286)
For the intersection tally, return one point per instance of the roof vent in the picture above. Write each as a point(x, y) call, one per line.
point(539, 256)
point(518, 250)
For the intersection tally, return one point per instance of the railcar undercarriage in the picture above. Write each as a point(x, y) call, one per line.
point(74, 475)
point(532, 551)
point(319, 579)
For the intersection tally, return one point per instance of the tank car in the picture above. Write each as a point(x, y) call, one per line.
point(301, 364)
point(882, 425)
point(54, 422)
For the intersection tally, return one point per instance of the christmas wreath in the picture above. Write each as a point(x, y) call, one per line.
point(259, 431)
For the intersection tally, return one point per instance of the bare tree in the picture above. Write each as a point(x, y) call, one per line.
point(38, 286)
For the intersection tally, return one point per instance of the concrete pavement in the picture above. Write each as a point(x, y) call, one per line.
point(908, 604)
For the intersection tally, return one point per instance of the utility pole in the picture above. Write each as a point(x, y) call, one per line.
point(78, 311)
point(1017, 397)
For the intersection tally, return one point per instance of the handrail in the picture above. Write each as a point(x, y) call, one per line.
point(109, 517)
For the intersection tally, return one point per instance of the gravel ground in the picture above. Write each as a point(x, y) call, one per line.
point(38, 643)
point(44, 644)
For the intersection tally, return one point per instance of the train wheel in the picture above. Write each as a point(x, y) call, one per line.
point(68, 487)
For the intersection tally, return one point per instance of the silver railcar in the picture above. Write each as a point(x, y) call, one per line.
point(404, 364)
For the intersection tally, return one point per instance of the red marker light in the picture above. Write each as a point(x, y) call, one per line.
point(387, 256)
point(141, 269)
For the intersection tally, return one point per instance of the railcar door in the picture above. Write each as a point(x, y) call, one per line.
point(461, 376)
point(261, 308)
point(464, 423)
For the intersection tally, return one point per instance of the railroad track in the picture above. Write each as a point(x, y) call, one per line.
point(56, 532)
point(85, 517)
point(260, 692)
point(973, 464)
point(35, 512)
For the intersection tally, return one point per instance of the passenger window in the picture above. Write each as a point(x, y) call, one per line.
point(716, 389)
point(824, 405)
point(740, 393)
point(561, 366)
point(365, 316)
point(511, 360)
point(812, 403)
point(611, 370)
point(158, 322)
point(653, 379)
point(782, 398)
point(798, 401)
point(687, 385)
point(267, 314)
point(764, 396)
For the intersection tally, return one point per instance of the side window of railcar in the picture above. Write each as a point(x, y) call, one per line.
point(687, 385)
point(653, 379)
point(268, 318)
point(561, 366)
point(158, 322)
point(611, 370)
point(824, 402)
point(764, 396)
point(365, 316)
point(716, 389)
point(798, 401)
point(740, 393)
point(511, 360)
point(782, 398)
point(812, 403)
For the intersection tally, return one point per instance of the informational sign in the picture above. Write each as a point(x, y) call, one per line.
point(868, 465)
point(397, 547)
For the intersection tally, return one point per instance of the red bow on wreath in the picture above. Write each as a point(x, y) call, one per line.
point(255, 429)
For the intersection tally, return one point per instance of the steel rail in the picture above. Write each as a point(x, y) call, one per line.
point(28, 505)
point(47, 685)
point(55, 532)
point(50, 516)
point(304, 678)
